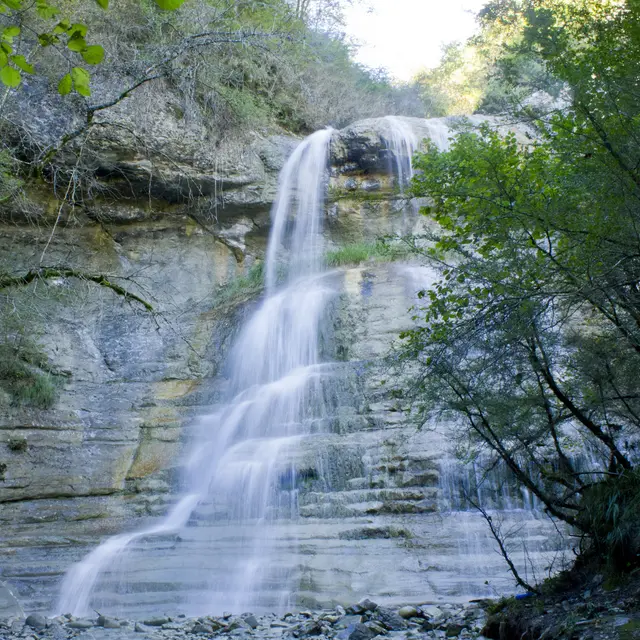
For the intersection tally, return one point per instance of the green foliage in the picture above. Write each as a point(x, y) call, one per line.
point(243, 287)
point(495, 71)
point(17, 445)
point(25, 373)
point(237, 65)
point(48, 33)
point(611, 512)
point(530, 338)
point(358, 252)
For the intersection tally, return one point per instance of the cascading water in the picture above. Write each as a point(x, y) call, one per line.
point(230, 543)
point(402, 141)
point(241, 475)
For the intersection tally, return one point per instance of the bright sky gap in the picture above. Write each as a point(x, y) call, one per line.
point(405, 36)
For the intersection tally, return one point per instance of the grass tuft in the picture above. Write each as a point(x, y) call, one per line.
point(25, 374)
point(359, 252)
point(243, 287)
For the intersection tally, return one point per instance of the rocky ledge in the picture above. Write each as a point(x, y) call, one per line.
point(363, 621)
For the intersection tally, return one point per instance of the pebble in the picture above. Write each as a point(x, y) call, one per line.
point(80, 624)
point(364, 620)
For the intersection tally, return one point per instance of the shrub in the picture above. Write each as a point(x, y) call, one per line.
point(611, 513)
point(25, 374)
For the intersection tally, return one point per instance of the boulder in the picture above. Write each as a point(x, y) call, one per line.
point(431, 612)
point(362, 632)
point(156, 622)
point(80, 623)
point(367, 605)
point(251, 620)
point(348, 621)
point(108, 623)
point(390, 619)
point(453, 630)
point(36, 621)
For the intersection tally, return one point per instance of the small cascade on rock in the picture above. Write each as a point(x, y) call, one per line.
point(402, 142)
point(233, 550)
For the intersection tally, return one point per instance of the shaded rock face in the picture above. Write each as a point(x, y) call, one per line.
point(143, 158)
point(131, 385)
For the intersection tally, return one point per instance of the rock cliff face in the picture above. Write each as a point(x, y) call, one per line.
point(184, 231)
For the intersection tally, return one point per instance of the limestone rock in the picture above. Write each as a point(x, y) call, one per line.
point(9, 605)
point(156, 622)
point(367, 605)
point(251, 620)
point(362, 632)
point(80, 623)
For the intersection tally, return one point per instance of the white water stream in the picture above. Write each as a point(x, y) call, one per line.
point(241, 474)
point(276, 394)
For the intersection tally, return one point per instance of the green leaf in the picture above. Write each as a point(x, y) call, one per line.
point(93, 54)
point(3, 58)
point(21, 63)
point(169, 5)
point(6, 47)
point(103, 4)
point(46, 39)
point(77, 29)
point(16, 5)
point(9, 77)
point(83, 91)
point(81, 79)
point(9, 33)
point(77, 44)
point(62, 27)
point(65, 84)
point(45, 10)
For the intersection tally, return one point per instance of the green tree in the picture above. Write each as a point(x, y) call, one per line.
point(531, 338)
point(31, 26)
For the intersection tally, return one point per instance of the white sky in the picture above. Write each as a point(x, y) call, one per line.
point(407, 35)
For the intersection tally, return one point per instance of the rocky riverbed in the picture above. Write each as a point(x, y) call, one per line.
point(362, 621)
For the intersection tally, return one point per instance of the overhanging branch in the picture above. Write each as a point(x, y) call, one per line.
point(44, 273)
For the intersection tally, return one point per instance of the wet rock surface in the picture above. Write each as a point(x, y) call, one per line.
point(105, 458)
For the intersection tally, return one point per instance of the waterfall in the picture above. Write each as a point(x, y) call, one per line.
point(402, 142)
point(241, 474)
